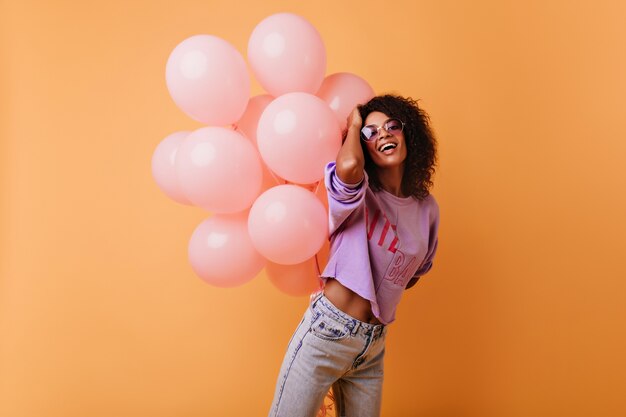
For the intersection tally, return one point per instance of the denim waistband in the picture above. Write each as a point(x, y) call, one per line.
point(319, 302)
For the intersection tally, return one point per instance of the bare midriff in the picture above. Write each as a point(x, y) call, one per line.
point(349, 302)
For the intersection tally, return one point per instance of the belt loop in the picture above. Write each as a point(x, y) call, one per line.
point(382, 330)
point(315, 297)
point(355, 327)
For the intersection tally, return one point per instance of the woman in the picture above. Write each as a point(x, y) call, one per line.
point(383, 231)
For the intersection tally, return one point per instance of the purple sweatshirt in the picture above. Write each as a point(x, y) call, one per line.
point(378, 241)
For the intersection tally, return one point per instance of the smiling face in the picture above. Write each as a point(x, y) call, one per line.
point(389, 149)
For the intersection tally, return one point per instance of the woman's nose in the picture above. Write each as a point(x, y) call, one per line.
point(383, 133)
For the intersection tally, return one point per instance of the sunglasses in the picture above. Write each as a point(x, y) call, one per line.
point(393, 126)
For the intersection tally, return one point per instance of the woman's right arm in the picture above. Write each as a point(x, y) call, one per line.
point(350, 159)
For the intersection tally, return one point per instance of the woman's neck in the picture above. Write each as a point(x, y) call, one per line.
point(391, 180)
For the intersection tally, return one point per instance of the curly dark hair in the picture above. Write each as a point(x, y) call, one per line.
point(420, 141)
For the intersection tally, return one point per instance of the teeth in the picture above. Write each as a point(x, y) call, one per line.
point(387, 146)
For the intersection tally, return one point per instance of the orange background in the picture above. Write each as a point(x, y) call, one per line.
point(522, 315)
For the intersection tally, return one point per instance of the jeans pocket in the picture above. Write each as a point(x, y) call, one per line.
point(327, 329)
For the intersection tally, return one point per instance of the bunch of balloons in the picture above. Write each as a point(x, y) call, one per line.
point(258, 162)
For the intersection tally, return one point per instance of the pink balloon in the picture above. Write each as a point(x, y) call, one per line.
point(208, 80)
point(164, 167)
point(221, 253)
point(295, 280)
point(287, 54)
point(248, 124)
point(298, 135)
point(287, 224)
point(342, 91)
point(219, 170)
point(250, 120)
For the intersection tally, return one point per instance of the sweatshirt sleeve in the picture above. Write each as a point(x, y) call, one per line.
point(343, 198)
point(433, 241)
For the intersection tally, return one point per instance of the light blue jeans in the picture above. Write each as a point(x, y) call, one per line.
point(331, 349)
